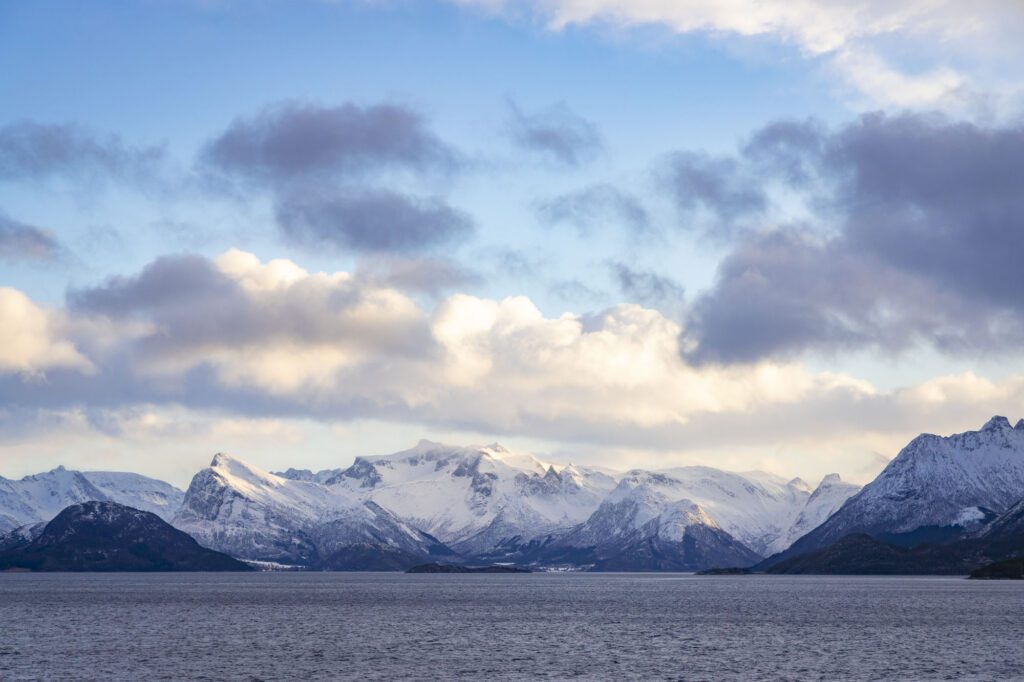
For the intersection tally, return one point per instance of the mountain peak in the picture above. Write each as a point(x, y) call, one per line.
point(221, 459)
point(1019, 426)
point(830, 479)
point(799, 484)
point(996, 423)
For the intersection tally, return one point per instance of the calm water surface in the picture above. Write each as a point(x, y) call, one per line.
point(321, 626)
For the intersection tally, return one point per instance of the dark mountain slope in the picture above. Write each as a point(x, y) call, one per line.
point(106, 536)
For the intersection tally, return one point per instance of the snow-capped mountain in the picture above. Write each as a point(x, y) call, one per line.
point(935, 484)
point(475, 498)
point(642, 525)
point(826, 499)
point(41, 497)
point(756, 508)
point(249, 513)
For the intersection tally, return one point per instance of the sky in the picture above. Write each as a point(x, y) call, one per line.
point(749, 234)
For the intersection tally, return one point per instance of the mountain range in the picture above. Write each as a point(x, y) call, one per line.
point(487, 504)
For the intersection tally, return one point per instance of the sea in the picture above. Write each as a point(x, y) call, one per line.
point(575, 626)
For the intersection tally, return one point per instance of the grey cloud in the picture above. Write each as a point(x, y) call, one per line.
point(574, 290)
point(789, 149)
point(21, 242)
point(925, 226)
point(647, 287)
point(593, 206)
point(371, 220)
point(167, 282)
point(326, 169)
point(38, 151)
point(194, 305)
point(717, 187)
point(294, 140)
point(556, 133)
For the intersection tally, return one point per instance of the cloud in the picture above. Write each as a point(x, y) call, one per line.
point(21, 242)
point(272, 339)
point(866, 44)
point(921, 220)
point(244, 339)
point(33, 340)
point(331, 174)
point(647, 287)
point(293, 140)
point(714, 188)
point(594, 206)
point(556, 133)
point(41, 151)
point(371, 220)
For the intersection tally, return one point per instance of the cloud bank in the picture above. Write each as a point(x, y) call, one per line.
point(266, 340)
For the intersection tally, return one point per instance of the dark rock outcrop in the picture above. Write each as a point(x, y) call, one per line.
point(106, 536)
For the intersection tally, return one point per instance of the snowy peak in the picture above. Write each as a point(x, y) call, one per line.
point(799, 484)
point(829, 480)
point(952, 482)
point(997, 423)
point(476, 497)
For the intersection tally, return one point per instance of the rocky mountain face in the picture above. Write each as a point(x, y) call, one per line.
point(936, 489)
point(106, 536)
point(40, 497)
point(239, 509)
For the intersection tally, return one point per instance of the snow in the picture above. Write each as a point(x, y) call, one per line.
point(755, 507)
point(478, 495)
point(826, 499)
point(235, 507)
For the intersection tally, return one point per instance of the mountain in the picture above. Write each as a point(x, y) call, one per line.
point(937, 488)
point(826, 499)
point(40, 497)
point(640, 526)
point(239, 509)
point(21, 536)
point(106, 536)
point(476, 499)
point(1000, 541)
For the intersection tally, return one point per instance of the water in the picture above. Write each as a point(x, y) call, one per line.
point(320, 626)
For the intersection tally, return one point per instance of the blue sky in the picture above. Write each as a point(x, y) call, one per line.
point(616, 200)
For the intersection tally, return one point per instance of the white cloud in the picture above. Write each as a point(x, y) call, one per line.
point(854, 36)
point(31, 340)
